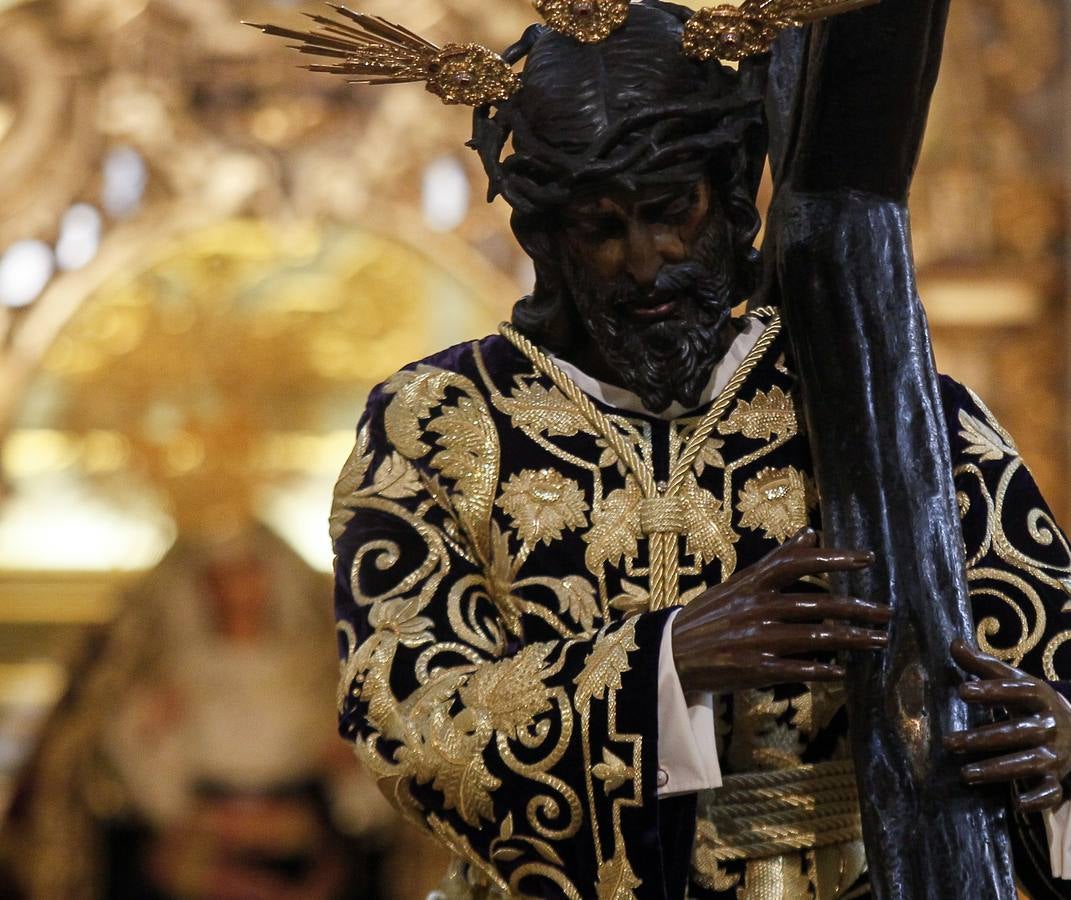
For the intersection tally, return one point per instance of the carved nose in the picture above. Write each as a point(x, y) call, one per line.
point(643, 262)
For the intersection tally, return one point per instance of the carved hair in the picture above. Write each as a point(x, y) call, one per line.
point(630, 112)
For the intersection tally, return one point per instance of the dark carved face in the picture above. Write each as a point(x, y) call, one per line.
point(651, 276)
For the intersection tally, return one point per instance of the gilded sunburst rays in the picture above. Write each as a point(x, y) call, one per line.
point(371, 50)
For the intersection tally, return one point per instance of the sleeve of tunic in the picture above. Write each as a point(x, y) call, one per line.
point(1019, 572)
point(687, 759)
point(535, 763)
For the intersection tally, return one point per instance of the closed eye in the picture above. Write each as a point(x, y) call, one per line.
point(599, 228)
point(673, 211)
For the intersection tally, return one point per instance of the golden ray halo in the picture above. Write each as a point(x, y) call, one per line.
point(371, 50)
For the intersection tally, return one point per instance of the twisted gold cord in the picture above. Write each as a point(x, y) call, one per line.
point(710, 420)
point(599, 422)
point(764, 814)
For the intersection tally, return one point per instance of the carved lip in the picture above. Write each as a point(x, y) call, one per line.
point(655, 313)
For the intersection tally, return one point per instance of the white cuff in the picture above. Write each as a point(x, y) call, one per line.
point(687, 753)
point(1058, 825)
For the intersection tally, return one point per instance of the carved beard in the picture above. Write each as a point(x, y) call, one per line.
point(670, 360)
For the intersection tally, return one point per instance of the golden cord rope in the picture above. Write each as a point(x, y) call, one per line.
point(763, 814)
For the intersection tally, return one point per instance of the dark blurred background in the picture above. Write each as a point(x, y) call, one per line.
point(207, 258)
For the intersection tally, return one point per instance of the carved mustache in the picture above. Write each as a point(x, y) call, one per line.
point(689, 279)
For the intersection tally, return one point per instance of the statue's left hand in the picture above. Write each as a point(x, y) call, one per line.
point(1033, 744)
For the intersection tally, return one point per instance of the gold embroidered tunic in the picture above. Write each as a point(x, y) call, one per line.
point(508, 551)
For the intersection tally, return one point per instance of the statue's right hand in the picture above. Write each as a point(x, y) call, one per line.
point(746, 633)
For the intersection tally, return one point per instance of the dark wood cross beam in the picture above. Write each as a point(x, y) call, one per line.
point(849, 101)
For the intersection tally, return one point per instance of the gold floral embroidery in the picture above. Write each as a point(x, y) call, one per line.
point(353, 473)
point(778, 501)
point(615, 527)
point(543, 505)
point(984, 441)
point(539, 410)
point(507, 695)
point(612, 771)
point(1013, 571)
point(468, 440)
point(577, 600)
point(617, 881)
point(710, 455)
point(766, 416)
point(396, 479)
point(708, 530)
point(605, 665)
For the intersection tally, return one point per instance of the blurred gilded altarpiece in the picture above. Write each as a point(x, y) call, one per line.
point(207, 257)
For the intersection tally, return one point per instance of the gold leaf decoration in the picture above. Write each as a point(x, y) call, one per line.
point(778, 501)
point(349, 481)
point(468, 440)
point(708, 528)
point(543, 505)
point(709, 871)
point(615, 527)
point(605, 665)
point(632, 600)
point(589, 21)
point(507, 695)
point(500, 574)
point(983, 440)
point(450, 754)
point(577, 600)
point(617, 881)
point(401, 618)
point(612, 771)
point(416, 392)
point(396, 479)
point(766, 416)
point(710, 455)
point(538, 410)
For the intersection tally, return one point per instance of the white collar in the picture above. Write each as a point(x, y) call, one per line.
point(628, 402)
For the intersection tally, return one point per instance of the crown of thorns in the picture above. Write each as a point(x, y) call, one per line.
point(371, 50)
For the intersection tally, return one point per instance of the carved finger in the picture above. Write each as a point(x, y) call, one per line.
point(973, 660)
point(791, 639)
point(805, 537)
point(804, 607)
point(804, 561)
point(790, 671)
point(1023, 693)
point(1048, 795)
point(1035, 763)
point(1020, 734)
